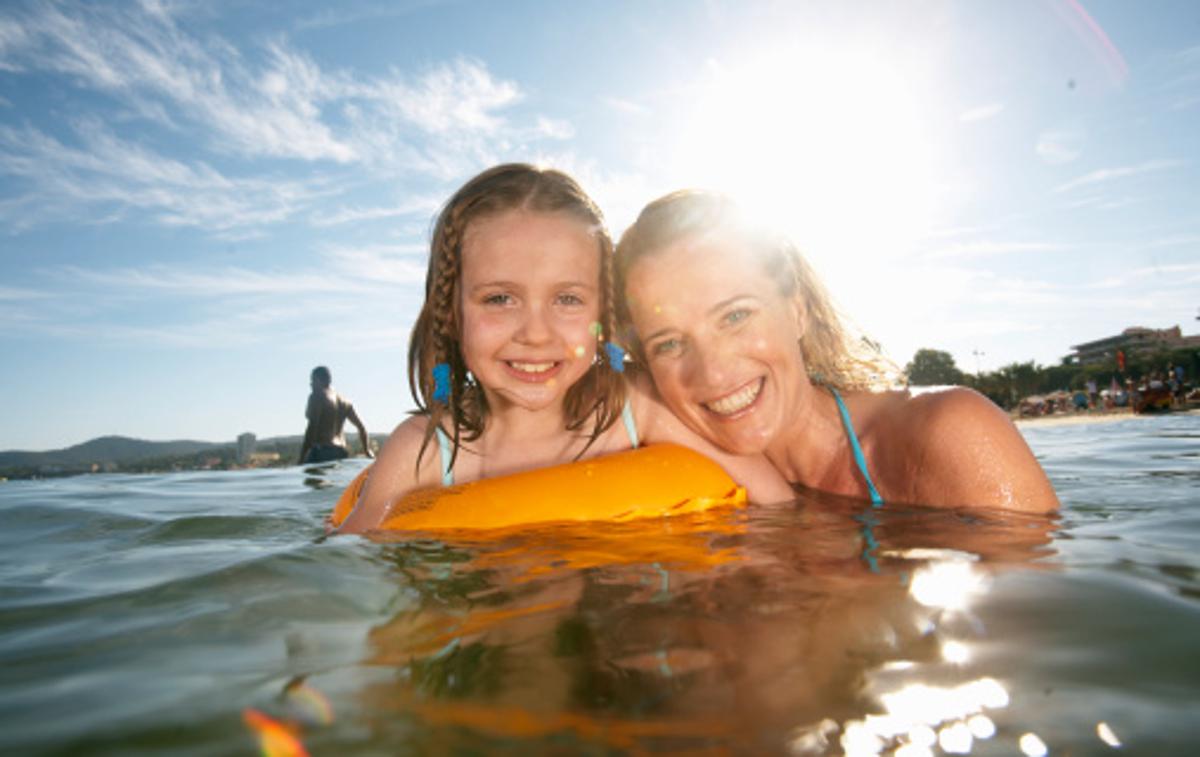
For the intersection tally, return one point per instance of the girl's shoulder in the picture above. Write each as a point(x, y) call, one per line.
point(399, 468)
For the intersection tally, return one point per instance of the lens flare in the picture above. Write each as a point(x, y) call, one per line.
point(275, 739)
point(1107, 736)
point(1032, 746)
point(312, 705)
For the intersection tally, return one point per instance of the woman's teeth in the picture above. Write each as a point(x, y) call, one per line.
point(731, 403)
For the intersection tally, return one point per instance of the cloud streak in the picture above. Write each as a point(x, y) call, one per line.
point(1105, 175)
point(981, 113)
point(986, 248)
point(261, 104)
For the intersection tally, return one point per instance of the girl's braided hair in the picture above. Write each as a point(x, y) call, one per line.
point(436, 335)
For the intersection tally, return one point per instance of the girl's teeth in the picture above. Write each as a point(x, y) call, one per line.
point(532, 367)
point(734, 402)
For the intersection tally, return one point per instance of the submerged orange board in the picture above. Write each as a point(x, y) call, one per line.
point(652, 481)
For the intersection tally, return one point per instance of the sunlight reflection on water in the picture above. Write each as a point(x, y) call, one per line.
point(804, 629)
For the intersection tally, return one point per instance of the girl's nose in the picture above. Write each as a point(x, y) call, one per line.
point(535, 327)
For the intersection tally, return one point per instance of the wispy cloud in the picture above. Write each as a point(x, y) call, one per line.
point(1101, 202)
point(346, 13)
point(417, 206)
point(266, 103)
point(991, 247)
point(1178, 240)
point(1181, 78)
point(981, 113)
point(624, 105)
point(105, 172)
point(394, 264)
point(10, 294)
point(1108, 174)
point(1060, 146)
point(225, 282)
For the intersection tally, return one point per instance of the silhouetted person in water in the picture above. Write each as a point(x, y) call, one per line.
point(327, 413)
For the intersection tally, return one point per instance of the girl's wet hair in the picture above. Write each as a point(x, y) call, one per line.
point(436, 335)
point(832, 355)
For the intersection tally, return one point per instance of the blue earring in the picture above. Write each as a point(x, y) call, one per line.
point(441, 382)
point(616, 357)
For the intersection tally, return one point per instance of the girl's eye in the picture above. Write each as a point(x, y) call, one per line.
point(498, 298)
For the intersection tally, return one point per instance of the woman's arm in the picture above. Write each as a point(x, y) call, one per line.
point(656, 423)
point(967, 453)
point(394, 474)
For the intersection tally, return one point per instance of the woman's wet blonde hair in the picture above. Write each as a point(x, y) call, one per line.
point(832, 354)
point(437, 334)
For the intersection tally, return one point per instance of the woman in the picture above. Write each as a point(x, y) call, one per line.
point(745, 347)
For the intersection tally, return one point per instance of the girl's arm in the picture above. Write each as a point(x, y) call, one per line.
point(656, 423)
point(393, 475)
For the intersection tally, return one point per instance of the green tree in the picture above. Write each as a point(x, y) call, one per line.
point(932, 368)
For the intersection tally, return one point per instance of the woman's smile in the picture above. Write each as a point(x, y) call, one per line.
point(737, 402)
point(721, 341)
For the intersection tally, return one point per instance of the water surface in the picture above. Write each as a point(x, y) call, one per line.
point(147, 613)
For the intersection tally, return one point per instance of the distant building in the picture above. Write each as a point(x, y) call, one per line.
point(1132, 340)
point(245, 447)
point(259, 459)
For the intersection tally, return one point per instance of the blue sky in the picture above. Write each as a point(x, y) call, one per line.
point(200, 201)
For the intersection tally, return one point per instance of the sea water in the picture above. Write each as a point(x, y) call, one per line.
point(177, 614)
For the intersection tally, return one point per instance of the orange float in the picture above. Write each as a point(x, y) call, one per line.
point(652, 481)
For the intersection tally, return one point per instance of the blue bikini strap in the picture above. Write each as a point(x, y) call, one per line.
point(630, 424)
point(444, 451)
point(856, 448)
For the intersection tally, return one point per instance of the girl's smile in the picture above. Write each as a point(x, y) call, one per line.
point(530, 294)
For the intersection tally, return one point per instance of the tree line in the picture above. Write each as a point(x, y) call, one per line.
point(1007, 385)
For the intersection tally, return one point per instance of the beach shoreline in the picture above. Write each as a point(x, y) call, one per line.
point(1091, 417)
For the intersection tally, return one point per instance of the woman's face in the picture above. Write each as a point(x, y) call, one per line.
point(722, 343)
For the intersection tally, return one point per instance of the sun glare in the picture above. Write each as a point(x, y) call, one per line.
point(828, 144)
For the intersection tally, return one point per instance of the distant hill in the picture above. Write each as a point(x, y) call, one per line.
point(128, 453)
point(105, 449)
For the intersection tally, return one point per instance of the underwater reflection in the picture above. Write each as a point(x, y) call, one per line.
point(804, 629)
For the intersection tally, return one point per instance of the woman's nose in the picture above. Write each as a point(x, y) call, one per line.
point(707, 367)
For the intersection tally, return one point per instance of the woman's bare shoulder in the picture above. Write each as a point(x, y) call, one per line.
point(963, 450)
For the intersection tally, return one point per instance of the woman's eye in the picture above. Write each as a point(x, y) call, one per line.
point(666, 346)
point(570, 299)
point(737, 316)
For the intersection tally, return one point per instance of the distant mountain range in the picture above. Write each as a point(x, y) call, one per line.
point(117, 449)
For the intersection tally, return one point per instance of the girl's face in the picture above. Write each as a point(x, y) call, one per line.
point(529, 296)
point(721, 342)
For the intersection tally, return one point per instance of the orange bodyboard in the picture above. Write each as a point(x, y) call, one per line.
point(652, 481)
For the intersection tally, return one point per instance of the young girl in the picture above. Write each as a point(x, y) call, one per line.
point(506, 363)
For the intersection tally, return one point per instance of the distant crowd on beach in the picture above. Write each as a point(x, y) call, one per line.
point(1158, 390)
